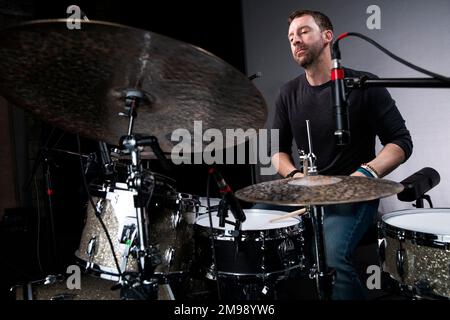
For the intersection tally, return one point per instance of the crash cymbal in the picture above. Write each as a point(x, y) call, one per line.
point(76, 80)
point(319, 190)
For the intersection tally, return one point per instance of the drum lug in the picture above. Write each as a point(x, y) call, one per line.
point(176, 218)
point(382, 250)
point(92, 244)
point(99, 206)
point(400, 260)
point(169, 255)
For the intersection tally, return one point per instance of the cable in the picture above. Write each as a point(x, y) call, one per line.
point(38, 240)
point(211, 234)
point(97, 214)
point(338, 156)
point(390, 54)
point(59, 139)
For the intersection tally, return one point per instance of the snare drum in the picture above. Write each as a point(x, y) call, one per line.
point(264, 248)
point(170, 218)
point(415, 250)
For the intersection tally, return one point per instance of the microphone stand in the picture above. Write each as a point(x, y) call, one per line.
point(222, 213)
point(365, 82)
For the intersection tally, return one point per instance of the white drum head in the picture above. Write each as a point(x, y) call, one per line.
point(256, 219)
point(204, 204)
point(434, 221)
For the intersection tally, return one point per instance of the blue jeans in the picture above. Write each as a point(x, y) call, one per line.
point(344, 226)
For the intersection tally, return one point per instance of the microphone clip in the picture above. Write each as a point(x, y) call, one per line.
point(222, 213)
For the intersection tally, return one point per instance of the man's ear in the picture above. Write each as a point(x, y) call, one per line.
point(328, 36)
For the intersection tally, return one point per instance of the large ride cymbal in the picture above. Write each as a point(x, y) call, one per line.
point(76, 80)
point(319, 190)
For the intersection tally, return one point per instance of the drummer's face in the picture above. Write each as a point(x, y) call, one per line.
point(306, 39)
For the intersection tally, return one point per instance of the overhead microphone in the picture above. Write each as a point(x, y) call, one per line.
point(339, 98)
point(228, 196)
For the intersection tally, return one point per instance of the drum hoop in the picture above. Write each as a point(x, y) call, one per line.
point(411, 291)
point(211, 273)
point(251, 235)
point(441, 241)
point(96, 269)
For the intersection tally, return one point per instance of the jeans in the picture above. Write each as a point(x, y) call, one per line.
point(344, 226)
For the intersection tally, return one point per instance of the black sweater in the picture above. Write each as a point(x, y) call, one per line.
point(372, 112)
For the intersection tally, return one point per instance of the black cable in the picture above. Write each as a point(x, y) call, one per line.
point(59, 139)
point(393, 56)
point(97, 213)
point(39, 158)
point(211, 234)
point(38, 235)
point(338, 156)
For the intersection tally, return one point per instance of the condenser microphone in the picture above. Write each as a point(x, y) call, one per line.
point(228, 196)
point(339, 99)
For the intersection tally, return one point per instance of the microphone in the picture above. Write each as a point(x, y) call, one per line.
point(417, 184)
point(339, 99)
point(222, 213)
point(228, 196)
point(105, 157)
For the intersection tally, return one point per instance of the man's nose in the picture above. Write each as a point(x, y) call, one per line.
point(297, 40)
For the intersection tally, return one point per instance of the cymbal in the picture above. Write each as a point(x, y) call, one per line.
point(319, 190)
point(76, 80)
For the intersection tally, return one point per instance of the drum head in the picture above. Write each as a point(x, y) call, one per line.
point(431, 221)
point(256, 219)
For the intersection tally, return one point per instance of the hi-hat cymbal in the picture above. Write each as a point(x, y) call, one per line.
point(319, 190)
point(76, 80)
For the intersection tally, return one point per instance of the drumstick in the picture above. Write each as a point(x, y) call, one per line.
point(289, 215)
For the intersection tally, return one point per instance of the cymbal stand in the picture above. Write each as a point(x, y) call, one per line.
point(320, 271)
point(144, 286)
point(324, 275)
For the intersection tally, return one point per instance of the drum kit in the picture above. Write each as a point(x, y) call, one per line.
point(131, 89)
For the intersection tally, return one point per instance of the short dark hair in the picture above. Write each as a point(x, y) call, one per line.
point(321, 19)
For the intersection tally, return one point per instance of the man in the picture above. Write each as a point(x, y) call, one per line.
point(372, 112)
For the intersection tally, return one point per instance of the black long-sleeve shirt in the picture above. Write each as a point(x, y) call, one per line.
point(372, 112)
